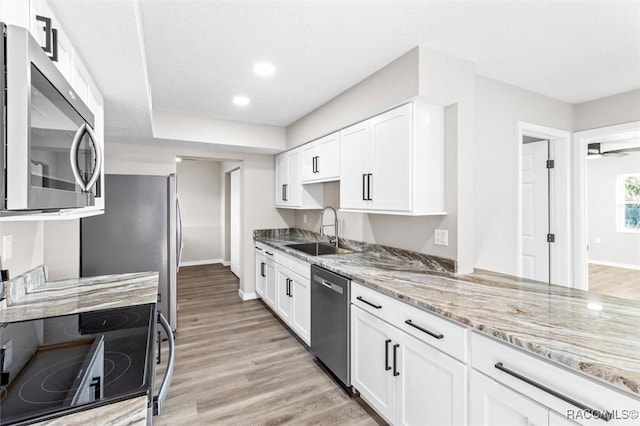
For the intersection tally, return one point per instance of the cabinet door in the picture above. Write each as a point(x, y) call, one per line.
point(492, 404)
point(431, 387)
point(371, 361)
point(283, 298)
point(301, 307)
point(282, 176)
point(391, 160)
point(354, 163)
point(328, 157)
point(270, 284)
point(556, 419)
point(294, 185)
point(307, 169)
point(260, 273)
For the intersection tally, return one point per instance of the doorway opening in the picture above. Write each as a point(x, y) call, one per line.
point(543, 208)
point(607, 210)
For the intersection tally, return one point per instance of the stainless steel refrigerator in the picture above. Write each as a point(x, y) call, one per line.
point(139, 231)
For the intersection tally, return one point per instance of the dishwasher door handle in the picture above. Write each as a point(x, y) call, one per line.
point(330, 286)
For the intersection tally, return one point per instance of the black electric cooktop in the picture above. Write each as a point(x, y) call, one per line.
point(52, 366)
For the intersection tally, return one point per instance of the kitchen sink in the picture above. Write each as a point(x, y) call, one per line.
point(318, 249)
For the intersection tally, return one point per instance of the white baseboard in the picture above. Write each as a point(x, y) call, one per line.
point(615, 264)
point(247, 296)
point(226, 263)
point(200, 262)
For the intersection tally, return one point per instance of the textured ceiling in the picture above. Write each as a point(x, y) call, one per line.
point(201, 53)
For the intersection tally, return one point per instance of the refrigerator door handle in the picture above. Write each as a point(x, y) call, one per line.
point(179, 212)
point(158, 401)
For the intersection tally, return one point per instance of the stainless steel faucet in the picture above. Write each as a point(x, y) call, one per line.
point(334, 224)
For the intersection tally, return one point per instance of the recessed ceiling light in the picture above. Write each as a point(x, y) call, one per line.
point(241, 100)
point(264, 69)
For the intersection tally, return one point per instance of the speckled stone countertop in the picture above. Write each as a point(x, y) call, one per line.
point(77, 295)
point(593, 334)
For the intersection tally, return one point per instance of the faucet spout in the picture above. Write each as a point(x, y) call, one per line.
point(334, 224)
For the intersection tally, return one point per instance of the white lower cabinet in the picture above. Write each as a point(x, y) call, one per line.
point(265, 274)
point(510, 387)
point(293, 302)
point(283, 283)
point(407, 381)
point(492, 404)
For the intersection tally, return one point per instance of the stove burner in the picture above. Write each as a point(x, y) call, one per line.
point(116, 365)
point(55, 381)
point(107, 321)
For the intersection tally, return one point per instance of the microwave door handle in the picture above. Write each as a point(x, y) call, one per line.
point(96, 146)
point(158, 401)
point(73, 157)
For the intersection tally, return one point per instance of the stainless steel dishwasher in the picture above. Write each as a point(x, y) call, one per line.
point(330, 326)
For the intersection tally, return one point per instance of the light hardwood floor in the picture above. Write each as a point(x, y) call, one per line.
point(618, 282)
point(237, 364)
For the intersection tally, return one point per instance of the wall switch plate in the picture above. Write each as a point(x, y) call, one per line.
point(304, 218)
point(598, 240)
point(441, 237)
point(7, 246)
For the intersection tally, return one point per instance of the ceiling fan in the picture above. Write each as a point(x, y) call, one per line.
point(594, 150)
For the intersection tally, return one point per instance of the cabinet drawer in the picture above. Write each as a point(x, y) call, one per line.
point(298, 266)
point(373, 302)
point(491, 357)
point(268, 252)
point(437, 332)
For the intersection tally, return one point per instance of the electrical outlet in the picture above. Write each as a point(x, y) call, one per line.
point(441, 237)
point(304, 218)
point(7, 246)
point(597, 240)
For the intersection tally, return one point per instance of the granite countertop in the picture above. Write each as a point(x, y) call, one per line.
point(77, 295)
point(593, 334)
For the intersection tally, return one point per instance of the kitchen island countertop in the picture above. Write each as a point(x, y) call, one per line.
point(72, 296)
point(593, 334)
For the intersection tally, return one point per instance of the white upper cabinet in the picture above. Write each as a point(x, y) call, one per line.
point(46, 29)
point(321, 159)
point(394, 162)
point(289, 191)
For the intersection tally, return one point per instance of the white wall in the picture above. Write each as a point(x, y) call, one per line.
point(499, 108)
point(28, 246)
point(608, 111)
point(392, 84)
point(61, 248)
point(200, 199)
point(219, 134)
point(613, 247)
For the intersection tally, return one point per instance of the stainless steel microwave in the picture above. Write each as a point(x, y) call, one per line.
point(51, 157)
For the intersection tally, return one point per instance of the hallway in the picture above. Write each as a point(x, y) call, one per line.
point(237, 364)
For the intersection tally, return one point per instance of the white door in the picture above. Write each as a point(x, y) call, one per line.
point(535, 211)
point(270, 284)
point(328, 157)
point(371, 361)
point(234, 222)
point(261, 274)
point(391, 160)
point(282, 177)
point(431, 387)
point(308, 162)
point(300, 288)
point(283, 294)
point(354, 160)
point(492, 404)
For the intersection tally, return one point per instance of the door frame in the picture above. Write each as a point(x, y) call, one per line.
point(580, 215)
point(238, 242)
point(559, 198)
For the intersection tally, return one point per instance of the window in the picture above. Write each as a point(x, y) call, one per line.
point(629, 203)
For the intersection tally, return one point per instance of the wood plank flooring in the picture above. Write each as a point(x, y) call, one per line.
point(237, 364)
point(618, 282)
